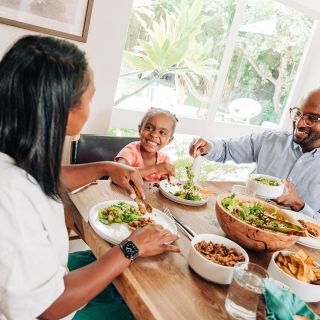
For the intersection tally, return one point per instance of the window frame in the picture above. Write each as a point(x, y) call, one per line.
point(209, 127)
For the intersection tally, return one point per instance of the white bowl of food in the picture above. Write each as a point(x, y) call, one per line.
point(293, 269)
point(218, 269)
point(265, 186)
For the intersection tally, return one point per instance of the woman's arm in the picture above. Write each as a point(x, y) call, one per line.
point(84, 284)
point(77, 175)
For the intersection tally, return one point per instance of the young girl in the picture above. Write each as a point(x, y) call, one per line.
point(156, 131)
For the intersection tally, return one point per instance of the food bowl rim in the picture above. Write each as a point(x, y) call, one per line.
point(255, 175)
point(289, 277)
point(246, 256)
point(218, 201)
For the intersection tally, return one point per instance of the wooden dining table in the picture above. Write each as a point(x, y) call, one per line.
point(164, 287)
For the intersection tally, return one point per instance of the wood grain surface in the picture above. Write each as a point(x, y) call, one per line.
point(164, 287)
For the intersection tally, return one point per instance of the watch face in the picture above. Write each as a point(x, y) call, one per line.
point(130, 250)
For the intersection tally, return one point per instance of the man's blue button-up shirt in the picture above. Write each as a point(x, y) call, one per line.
point(276, 154)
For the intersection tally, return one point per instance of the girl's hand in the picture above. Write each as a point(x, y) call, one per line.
point(166, 169)
point(198, 147)
point(125, 176)
point(153, 239)
point(290, 198)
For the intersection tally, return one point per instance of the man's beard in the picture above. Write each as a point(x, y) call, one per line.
point(309, 140)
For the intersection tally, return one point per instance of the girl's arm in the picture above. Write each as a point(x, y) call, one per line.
point(160, 168)
point(84, 284)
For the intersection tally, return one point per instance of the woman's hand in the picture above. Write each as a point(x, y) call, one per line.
point(124, 176)
point(153, 239)
point(198, 147)
point(290, 198)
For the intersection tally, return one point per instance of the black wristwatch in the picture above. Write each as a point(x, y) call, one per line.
point(129, 249)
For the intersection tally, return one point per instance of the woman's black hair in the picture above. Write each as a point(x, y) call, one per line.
point(41, 79)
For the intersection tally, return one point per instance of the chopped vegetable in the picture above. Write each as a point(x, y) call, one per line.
point(267, 181)
point(121, 212)
point(190, 191)
point(254, 214)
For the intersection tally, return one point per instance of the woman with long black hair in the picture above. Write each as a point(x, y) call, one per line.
point(45, 90)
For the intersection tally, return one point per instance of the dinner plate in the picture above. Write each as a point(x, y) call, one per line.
point(169, 188)
point(305, 241)
point(116, 232)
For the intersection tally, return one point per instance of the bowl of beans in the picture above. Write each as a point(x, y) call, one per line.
point(213, 257)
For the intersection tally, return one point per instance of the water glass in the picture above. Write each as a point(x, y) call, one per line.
point(245, 290)
point(242, 190)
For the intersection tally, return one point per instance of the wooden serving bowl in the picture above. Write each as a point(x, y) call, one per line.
point(249, 236)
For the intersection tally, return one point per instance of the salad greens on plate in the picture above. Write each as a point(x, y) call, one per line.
point(121, 212)
point(189, 190)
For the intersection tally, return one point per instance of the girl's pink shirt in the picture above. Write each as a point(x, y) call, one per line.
point(132, 154)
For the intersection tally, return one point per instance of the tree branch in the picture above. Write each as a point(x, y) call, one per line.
point(255, 66)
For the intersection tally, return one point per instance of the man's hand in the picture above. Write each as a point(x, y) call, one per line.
point(199, 147)
point(290, 198)
point(124, 176)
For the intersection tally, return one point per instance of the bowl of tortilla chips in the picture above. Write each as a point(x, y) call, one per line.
point(298, 271)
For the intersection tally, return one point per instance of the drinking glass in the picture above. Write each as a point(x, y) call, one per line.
point(243, 190)
point(245, 290)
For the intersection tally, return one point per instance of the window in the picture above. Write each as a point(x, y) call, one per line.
point(213, 63)
point(225, 67)
point(173, 54)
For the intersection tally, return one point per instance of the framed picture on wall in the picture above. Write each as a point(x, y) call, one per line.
point(63, 18)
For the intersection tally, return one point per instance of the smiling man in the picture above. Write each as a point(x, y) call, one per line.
point(294, 157)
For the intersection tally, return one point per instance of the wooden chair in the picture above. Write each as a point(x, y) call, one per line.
point(88, 148)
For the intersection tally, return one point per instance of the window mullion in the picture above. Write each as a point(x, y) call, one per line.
point(296, 93)
point(225, 63)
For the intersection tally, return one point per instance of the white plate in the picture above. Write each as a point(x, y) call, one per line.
point(169, 188)
point(116, 232)
point(305, 241)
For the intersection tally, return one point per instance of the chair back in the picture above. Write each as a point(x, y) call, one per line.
point(93, 148)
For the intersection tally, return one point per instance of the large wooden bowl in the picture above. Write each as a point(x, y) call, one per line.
point(249, 236)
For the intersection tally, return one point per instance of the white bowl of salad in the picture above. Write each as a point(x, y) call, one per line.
point(265, 186)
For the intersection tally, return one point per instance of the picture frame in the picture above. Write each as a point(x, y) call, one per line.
point(68, 19)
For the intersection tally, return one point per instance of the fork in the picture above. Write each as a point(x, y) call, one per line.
point(184, 228)
point(138, 200)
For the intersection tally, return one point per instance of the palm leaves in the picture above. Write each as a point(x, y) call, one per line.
point(173, 45)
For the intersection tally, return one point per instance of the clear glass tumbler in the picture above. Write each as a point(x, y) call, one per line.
point(242, 190)
point(245, 290)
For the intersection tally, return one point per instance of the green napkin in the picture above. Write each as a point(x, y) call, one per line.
point(282, 303)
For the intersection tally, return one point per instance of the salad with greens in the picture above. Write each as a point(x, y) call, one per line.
point(122, 212)
point(267, 181)
point(189, 190)
point(253, 213)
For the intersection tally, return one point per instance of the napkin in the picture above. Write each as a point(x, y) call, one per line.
point(282, 303)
